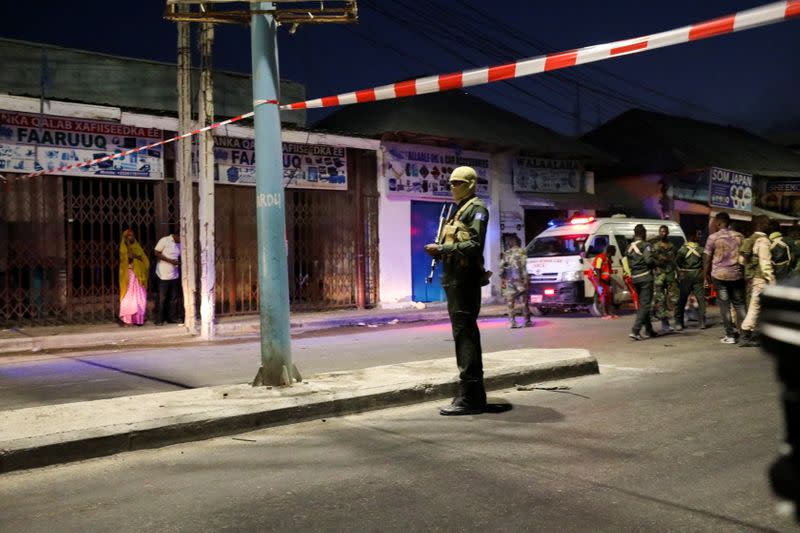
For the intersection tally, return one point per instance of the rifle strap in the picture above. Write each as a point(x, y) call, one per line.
point(462, 209)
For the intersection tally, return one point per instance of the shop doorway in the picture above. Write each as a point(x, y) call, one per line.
point(424, 222)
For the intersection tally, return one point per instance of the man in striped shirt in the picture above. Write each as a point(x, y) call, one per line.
point(721, 266)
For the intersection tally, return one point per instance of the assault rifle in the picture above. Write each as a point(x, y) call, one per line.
point(444, 216)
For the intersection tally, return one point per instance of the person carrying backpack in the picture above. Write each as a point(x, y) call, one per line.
point(760, 261)
point(781, 254)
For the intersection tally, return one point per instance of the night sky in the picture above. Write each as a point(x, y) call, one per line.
point(749, 79)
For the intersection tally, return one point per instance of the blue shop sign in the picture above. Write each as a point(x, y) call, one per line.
point(729, 189)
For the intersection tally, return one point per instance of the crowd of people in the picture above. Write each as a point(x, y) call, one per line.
point(135, 274)
point(738, 267)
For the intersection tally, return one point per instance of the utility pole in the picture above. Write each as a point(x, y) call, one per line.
point(184, 176)
point(273, 278)
point(206, 185)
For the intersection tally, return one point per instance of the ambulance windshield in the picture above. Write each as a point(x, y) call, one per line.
point(556, 245)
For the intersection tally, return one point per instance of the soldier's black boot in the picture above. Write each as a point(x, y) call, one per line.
point(749, 339)
point(745, 338)
point(649, 332)
point(471, 401)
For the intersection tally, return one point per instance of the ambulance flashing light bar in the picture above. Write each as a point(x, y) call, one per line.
point(575, 220)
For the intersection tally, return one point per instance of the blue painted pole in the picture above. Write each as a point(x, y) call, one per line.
point(273, 282)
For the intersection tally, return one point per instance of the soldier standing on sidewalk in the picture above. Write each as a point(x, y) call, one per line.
point(760, 261)
point(514, 276)
point(665, 283)
point(640, 261)
point(689, 261)
point(464, 237)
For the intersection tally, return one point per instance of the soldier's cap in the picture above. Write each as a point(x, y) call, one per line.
point(466, 174)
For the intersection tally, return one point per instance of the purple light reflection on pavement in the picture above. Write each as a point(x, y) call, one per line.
point(60, 367)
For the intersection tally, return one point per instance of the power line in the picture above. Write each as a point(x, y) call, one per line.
point(546, 48)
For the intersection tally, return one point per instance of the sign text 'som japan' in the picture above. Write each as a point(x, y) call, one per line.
point(730, 189)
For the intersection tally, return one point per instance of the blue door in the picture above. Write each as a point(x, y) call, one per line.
point(424, 222)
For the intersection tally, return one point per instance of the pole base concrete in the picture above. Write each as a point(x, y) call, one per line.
point(263, 378)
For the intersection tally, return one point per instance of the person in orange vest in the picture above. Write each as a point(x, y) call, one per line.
point(601, 265)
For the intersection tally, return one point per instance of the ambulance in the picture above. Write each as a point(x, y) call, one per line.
point(558, 257)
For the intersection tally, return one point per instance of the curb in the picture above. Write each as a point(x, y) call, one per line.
point(225, 332)
point(88, 446)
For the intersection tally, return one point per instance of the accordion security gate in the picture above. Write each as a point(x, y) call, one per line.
point(59, 239)
point(60, 244)
point(331, 237)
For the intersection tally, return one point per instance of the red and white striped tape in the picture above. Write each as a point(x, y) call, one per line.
point(153, 145)
point(743, 20)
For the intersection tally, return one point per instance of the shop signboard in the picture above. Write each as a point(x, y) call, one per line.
point(729, 189)
point(691, 186)
point(783, 197)
point(31, 143)
point(421, 172)
point(536, 174)
point(305, 166)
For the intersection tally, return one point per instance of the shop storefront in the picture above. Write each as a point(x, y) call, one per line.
point(331, 224)
point(60, 232)
point(413, 183)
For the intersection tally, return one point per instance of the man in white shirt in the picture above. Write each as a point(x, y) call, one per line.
point(168, 252)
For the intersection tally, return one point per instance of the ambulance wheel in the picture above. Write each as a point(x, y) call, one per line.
point(595, 308)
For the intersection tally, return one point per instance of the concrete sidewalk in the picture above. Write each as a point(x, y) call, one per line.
point(40, 436)
point(100, 336)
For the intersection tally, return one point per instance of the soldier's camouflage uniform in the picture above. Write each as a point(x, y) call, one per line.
point(689, 260)
point(514, 273)
point(665, 280)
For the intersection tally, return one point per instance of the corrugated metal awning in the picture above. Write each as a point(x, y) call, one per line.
point(773, 215)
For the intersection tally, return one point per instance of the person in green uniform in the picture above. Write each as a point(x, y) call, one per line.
point(514, 276)
point(639, 255)
point(781, 253)
point(665, 281)
point(793, 239)
point(689, 261)
point(463, 275)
